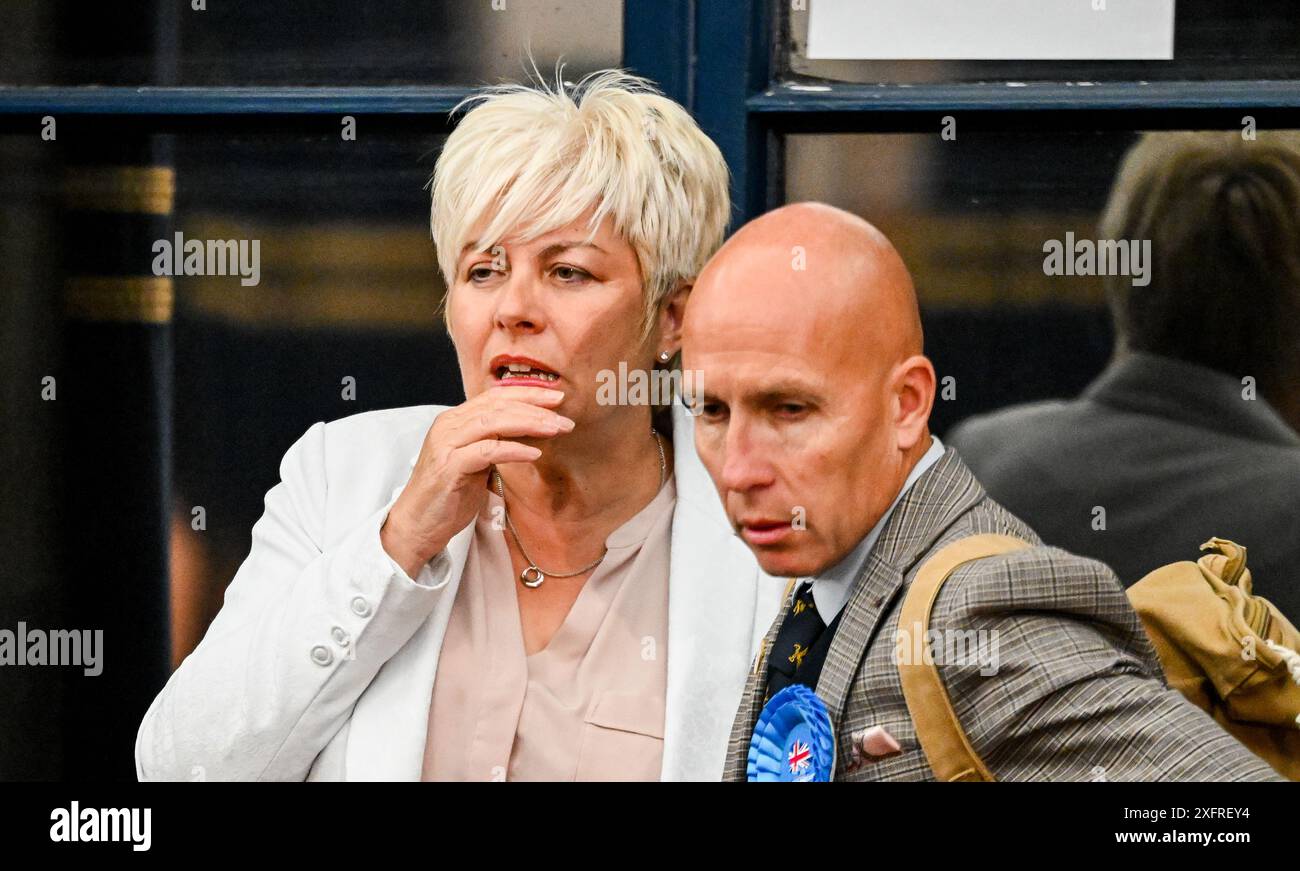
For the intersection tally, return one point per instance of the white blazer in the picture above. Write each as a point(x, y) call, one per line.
point(320, 665)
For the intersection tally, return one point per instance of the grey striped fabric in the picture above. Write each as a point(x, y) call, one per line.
point(1077, 693)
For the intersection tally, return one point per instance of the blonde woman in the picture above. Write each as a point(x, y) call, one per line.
point(535, 584)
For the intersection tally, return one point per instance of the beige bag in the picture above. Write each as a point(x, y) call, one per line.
point(1231, 653)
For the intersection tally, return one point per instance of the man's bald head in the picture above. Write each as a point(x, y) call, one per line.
point(816, 397)
point(814, 260)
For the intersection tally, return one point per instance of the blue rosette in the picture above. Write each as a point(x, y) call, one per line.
point(794, 741)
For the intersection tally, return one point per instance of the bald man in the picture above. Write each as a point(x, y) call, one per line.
point(813, 424)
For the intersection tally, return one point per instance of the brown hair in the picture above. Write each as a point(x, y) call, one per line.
point(1223, 217)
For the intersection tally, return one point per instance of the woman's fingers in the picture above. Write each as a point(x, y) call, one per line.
point(541, 397)
point(446, 488)
point(544, 396)
point(506, 419)
point(479, 456)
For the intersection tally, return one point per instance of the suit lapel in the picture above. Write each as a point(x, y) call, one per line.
point(872, 594)
point(938, 498)
point(751, 701)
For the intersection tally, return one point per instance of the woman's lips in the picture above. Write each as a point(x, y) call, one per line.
point(524, 371)
point(765, 533)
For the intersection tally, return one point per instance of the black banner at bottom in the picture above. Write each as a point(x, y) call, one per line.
point(371, 821)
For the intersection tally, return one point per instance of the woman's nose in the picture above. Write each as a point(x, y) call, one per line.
point(519, 304)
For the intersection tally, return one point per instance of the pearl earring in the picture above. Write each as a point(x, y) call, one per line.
point(664, 356)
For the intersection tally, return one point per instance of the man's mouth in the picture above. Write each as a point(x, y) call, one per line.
point(764, 533)
point(515, 370)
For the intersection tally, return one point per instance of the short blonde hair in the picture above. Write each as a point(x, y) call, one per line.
point(528, 159)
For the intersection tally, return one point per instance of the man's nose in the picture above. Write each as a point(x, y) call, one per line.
point(746, 464)
point(519, 304)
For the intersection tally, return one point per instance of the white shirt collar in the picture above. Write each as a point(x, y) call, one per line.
point(831, 588)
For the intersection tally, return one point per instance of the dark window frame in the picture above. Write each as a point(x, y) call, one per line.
point(721, 59)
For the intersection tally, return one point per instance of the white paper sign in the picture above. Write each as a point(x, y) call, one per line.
point(991, 29)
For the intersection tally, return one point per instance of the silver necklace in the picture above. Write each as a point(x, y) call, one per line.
point(532, 577)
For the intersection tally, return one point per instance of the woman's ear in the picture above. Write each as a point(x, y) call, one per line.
point(671, 313)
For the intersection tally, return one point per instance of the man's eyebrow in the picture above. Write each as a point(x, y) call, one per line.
point(785, 390)
point(771, 394)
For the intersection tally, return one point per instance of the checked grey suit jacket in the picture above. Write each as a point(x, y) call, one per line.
point(1078, 694)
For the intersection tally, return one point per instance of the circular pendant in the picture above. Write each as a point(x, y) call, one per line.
point(532, 577)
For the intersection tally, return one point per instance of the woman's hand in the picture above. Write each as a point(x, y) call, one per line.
point(446, 490)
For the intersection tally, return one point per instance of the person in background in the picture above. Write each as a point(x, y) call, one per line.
point(1191, 431)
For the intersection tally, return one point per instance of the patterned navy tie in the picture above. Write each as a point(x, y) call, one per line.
point(801, 644)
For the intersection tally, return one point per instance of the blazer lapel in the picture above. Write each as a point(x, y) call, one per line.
point(938, 498)
point(872, 594)
point(390, 722)
point(751, 701)
point(714, 603)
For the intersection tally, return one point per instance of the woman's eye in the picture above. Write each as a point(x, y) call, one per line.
point(480, 273)
point(570, 273)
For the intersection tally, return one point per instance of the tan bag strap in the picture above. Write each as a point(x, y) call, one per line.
point(938, 730)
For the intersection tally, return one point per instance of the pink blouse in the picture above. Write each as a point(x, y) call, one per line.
point(589, 705)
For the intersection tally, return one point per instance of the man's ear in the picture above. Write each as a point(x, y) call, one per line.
point(913, 383)
point(671, 313)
